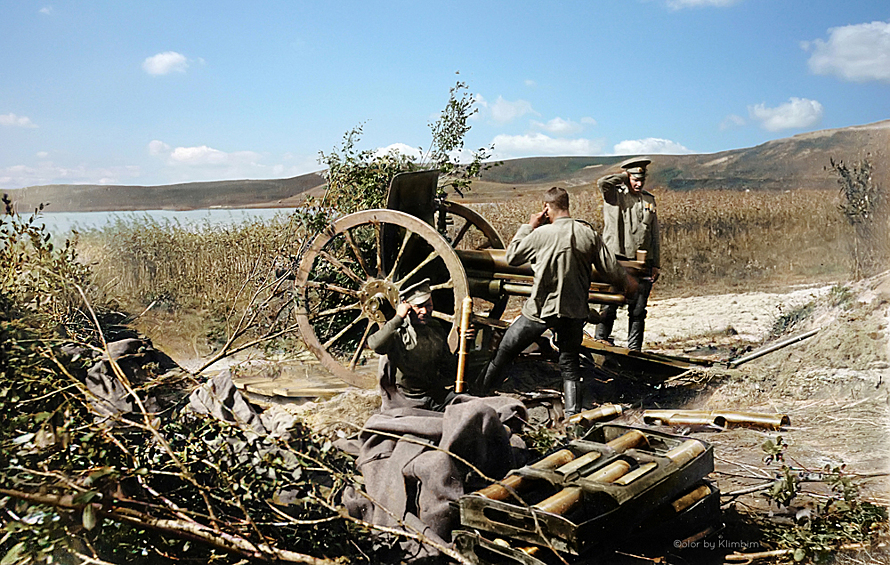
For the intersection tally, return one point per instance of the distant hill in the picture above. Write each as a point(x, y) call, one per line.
point(792, 163)
point(273, 193)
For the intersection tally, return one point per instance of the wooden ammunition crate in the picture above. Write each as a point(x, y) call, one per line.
point(606, 511)
point(667, 530)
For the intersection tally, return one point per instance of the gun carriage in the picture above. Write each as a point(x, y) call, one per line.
point(349, 276)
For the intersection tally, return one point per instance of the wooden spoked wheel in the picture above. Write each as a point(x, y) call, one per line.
point(467, 229)
point(349, 279)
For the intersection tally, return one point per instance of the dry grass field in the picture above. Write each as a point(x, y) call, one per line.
point(198, 282)
point(714, 241)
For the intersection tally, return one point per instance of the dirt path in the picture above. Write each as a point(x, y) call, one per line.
point(749, 316)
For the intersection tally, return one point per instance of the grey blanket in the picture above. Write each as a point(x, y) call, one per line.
point(412, 461)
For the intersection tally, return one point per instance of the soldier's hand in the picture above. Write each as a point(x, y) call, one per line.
point(538, 219)
point(656, 272)
point(402, 309)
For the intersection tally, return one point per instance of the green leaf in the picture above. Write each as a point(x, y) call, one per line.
point(86, 497)
point(14, 555)
point(24, 438)
point(89, 517)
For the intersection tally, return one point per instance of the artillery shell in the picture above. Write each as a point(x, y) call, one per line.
point(600, 413)
point(496, 491)
point(561, 502)
point(691, 498)
point(685, 452)
point(629, 440)
point(610, 473)
point(636, 473)
point(578, 463)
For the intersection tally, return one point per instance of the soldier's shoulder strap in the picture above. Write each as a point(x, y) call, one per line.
point(585, 222)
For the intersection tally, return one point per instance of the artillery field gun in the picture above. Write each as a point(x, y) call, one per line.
point(349, 276)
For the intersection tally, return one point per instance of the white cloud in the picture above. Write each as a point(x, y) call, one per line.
point(796, 113)
point(400, 148)
point(165, 63)
point(200, 155)
point(20, 176)
point(156, 148)
point(188, 164)
point(530, 83)
point(511, 146)
point(47, 10)
point(204, 155)
point(650, 146)
point(559, 126)
point(16, 121)
point(680, 4)
point(503, 111)
point(732, 121)
point(856, 53)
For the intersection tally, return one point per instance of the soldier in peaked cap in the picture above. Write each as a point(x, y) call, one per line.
point(630, 225)
point(416, 367)
point(417, 294)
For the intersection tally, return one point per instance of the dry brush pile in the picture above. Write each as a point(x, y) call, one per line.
point(80, 484)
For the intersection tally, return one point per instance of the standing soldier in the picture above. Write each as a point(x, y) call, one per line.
point(630, 225)
point(561, 251)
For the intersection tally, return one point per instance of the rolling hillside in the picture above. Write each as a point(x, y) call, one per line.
point(792, 163)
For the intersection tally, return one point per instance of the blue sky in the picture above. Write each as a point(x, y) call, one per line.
point(145, 93)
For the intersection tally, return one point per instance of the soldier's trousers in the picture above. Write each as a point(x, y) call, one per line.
point(636, 317)
point(522, 333)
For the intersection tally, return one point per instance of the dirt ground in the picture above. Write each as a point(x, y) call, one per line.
point(833, 386)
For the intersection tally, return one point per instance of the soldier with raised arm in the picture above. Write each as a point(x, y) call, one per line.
point(561, 251)
point(418, 368)
point(630, 225)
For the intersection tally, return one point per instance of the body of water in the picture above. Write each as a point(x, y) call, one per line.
point(62, 223)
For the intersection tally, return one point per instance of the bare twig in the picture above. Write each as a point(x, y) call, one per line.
point(185, 530)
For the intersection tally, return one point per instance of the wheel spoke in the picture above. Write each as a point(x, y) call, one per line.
point(357, 253)
point(343, 268)
point(342, 332)
point(419, 266)
point(408, 234)
point(379, 248)
point(332, 288)
point(442, 286)
point(443, 316)
point(337, 310)
point(361, 345)
point(460, 235)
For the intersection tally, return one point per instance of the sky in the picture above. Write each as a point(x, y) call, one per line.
point(162, 92)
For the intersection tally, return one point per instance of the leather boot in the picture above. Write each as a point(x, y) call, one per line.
point(635, 335)
point(572, 390)
point(604, 327)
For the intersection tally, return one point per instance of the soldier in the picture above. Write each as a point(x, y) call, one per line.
point(630, 224)
point(418, 366)
point(561, 251)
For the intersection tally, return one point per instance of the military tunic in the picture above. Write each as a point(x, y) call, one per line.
point(424, 365)
point(630, 221)
point(561, 254)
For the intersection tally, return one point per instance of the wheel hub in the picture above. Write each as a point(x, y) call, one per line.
point(373, 295)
